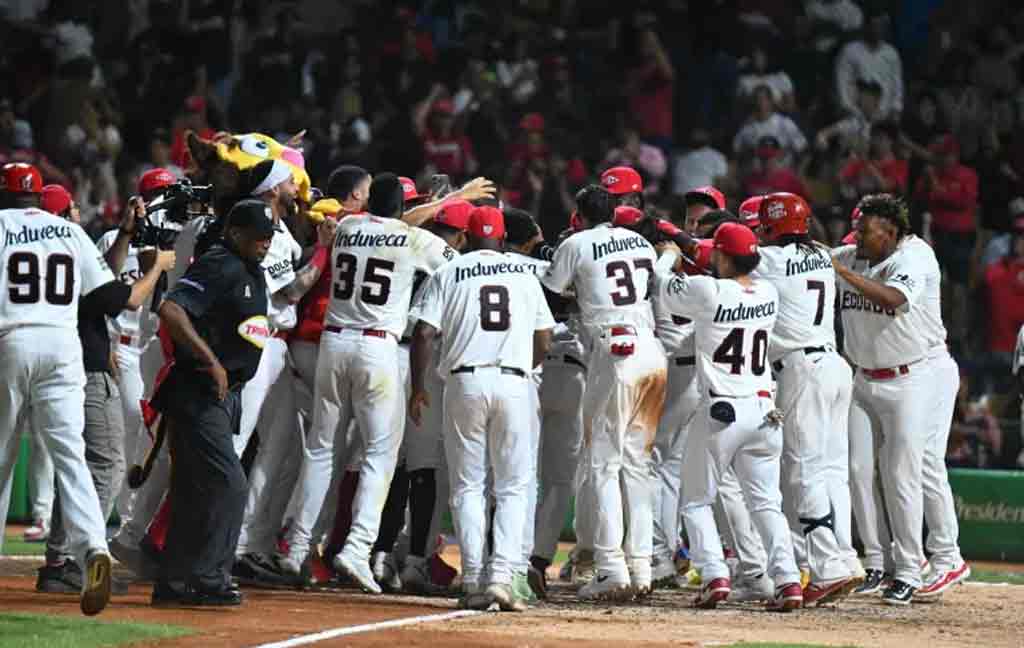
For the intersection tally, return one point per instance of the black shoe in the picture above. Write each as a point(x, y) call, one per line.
point(538, 582)
point(166, 595)
point(216, 597)
point(65, 578)
point(873, 579)
point(899, 593)
point(258, 570)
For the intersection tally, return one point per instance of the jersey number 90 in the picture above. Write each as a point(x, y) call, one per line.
point(27, 285)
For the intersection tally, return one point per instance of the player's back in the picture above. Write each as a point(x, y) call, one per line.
point(489, 312)
point(930, 306)
point(731, 336)
point(46, 264)
point(373, 263)
point(806, 283)
point(611, 270)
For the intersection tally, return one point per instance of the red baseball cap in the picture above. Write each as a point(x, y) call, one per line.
point(409, 188)
point(455, 213)
point(621, 180)
point(626, 216)
point(55, 199)
point(18, 177)
point(735, 239)
point(487, 223)
point(445, 106)
point(707, 194)
point(749, 209)
point(702, 261)
point(154, 179)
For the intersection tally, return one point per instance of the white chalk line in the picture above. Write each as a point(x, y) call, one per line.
point(302, 640)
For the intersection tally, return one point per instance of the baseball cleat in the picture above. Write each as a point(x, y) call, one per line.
point(583, 569)
point(664, 574)
point(872, 584)
point(385, 572)
point(712, 593)
point(538, 582)
point(819, 594)
point(38, 532)
point(787, 597)
point(749, 590)
point(289, 564)
point(691, 579)
point(96, 582)
point(942, 581)
point(505, 597)
point(415, 576)
point(256, 569)
point(358, 570)
point(607, 587)
point(899, 593)
point(805, 578)
point(475, 597)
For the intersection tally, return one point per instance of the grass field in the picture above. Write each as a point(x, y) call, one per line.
point(39, 631)
point(15, 546)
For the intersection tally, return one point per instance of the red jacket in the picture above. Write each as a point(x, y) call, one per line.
point(952, 199)
point(1004, 281)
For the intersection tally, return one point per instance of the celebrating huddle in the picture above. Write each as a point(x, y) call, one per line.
point(399, 359)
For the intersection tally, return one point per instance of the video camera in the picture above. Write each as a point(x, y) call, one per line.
point(167, 214)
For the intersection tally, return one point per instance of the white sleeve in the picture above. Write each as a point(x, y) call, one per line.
point(106, 241)
point(687, 296)
point(94, 268)
point(845, 78)
point(431, 252)
point(795, 136)
point(1018, 352)
point(908, 274)
point(428, 306)
point(561, 272)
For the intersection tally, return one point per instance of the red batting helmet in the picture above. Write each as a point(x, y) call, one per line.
point(702, 260)
point(154, 179)
point(783, 213)
point(708, 195)
point(18, 177)
point(750, 211)
point(621, 180)
point(626, 216)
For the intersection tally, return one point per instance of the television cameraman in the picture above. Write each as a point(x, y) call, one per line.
point(104, 419)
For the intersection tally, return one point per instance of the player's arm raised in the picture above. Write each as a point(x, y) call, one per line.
point(118, 252)
point(475, 189)
point(307, 276)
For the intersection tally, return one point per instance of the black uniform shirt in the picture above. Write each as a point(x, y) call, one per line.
point(226, 299)
point(106, 301)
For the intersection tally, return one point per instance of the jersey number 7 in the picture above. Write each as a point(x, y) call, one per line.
point(376, 284)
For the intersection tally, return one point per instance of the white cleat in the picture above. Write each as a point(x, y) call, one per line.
point(748, 590)
point(607, 587)
point(358, 570)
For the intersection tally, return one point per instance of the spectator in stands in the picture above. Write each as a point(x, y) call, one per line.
point(160, 154)
point(444, 149)
point(962, 102)
point(994, 70)
point(759, 73)
point(699, 164)
point(949, 192)
point(650, 86)
point(1004, 311)
point(854, 130)
point(975, 440)
point(765, 121)
point(871, 58)
point(21, 148)
point(833, 21)
point(193, 118)
point(772, 171)
point(645, 158)
point(878, 172)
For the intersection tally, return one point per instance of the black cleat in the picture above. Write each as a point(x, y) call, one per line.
point(899, 593)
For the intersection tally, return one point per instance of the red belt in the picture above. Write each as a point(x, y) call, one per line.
point(368, 332)
point(622, 330)
point(760, 394)
point(283, 335)
point(886, 374)
point(127, 339)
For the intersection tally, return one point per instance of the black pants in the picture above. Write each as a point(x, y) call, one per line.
point(208, 486)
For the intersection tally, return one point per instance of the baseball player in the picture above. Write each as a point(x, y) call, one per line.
point(749, 213)
point(736, 422)
point(889, 292)
point(699, 202)
point(374, 260)
point(500, 330)
point(610, 270)
point(48, 264)
point(814, 391)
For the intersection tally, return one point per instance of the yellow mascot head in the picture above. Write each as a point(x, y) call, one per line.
point(248, 150)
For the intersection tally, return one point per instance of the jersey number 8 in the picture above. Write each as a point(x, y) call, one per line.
point(25, 279)
point(494, 312)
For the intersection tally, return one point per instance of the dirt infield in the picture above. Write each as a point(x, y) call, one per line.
point(971, 615)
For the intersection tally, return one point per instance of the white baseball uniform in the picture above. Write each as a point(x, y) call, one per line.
point(814, 391)
point(487, 306)
point(270, 397)
point(732, 324)
point(891, 386)
point(374, 261)
point(46, 265)
point(130, 332)
point(611, 270)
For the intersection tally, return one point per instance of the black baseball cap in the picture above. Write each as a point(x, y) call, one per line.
point(254, 216)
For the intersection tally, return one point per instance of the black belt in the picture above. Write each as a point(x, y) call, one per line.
point(777, 366)
point(686, 361)
point(568, 359)
point(407, 340)
point(505, 370)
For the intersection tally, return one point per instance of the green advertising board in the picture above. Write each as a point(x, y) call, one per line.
point(990, 509)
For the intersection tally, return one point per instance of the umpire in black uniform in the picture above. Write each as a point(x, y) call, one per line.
point(217, 316)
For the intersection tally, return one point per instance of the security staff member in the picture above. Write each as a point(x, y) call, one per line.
point(217, 316)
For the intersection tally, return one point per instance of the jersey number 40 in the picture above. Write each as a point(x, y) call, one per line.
point(376, 279)
point(27, 284)
point(730, 351)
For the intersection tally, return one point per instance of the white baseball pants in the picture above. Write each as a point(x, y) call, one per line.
point(44, 372)
point(814, 393)
point(939, 511)
point(681, 399)
point(866, 490)
point(898, 410)
point(753, 447)
point(486, 414)
point(622, 404)
point(40, 470)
